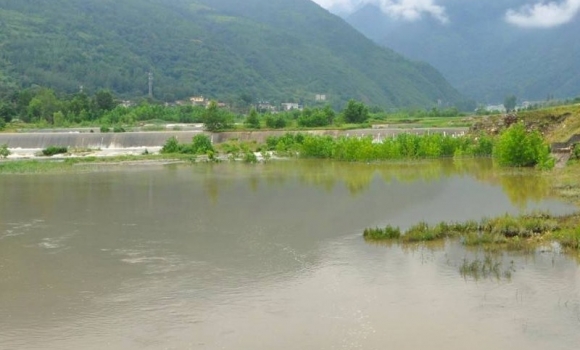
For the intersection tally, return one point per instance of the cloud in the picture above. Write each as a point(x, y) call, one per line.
point(413, 10)
point(410, 10)
point(343, 5)
point(544, 14)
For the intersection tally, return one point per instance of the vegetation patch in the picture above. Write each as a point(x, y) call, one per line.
point(53, 150)
point(511, 232)
point(200, 144)
point(488, 267)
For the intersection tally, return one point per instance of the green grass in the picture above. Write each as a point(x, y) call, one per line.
point(507, 231)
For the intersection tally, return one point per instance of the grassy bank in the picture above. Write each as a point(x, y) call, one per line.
point(63, 165)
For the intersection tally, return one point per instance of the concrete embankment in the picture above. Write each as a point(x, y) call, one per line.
point(157, 139)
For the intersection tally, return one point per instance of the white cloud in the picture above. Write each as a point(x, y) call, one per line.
point(343, 5)
point(413, 10)
point(544, 14)
point(410, 10)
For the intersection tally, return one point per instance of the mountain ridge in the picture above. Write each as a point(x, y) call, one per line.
point(272, 50)
point(481, 54)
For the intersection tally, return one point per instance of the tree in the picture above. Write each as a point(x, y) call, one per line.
point(253, 121)
point(355, 112)
point(510, 103)
point(104, 101)
point(43, 106)
point(214, 119)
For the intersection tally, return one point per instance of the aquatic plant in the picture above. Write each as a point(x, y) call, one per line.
point(512, 232)
point(387, 233)
point(488, 267)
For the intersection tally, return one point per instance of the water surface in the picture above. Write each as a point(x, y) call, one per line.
point(235, 256)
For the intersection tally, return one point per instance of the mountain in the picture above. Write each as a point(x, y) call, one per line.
point(277, 50)
point(481, 54)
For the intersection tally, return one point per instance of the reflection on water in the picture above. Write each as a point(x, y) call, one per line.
point(520, 185)
point(234, 256)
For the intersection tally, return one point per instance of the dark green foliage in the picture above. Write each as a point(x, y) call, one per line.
point(316, 117)
point(275, 122)
point(52, 150)
point(171, 146)
point(355, 112)
point(576, 151)
point(118, 129)
point(105, 128)
point(200, 144)
point(214, 118)
point(510, 103)
point(104, 101)
point(4, 151)
point(229, 50)
point(252, 120)
point(516, 147)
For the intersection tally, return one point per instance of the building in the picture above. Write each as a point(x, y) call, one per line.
point(290, 106)
point(198, 101)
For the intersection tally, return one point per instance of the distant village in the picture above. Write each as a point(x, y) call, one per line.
point(261, 106)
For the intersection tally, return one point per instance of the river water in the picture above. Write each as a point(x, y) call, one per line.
point(270, 256)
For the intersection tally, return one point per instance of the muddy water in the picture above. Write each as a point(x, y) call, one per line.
point(232, 256)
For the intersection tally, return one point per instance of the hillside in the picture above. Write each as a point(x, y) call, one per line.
point(277, 50)
point(481, 54)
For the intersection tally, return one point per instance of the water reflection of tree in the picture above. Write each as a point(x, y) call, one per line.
point(521, 186)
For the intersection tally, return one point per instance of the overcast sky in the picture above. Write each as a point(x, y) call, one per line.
point(535, 14)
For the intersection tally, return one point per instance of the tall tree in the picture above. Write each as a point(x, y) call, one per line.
point(510, 103)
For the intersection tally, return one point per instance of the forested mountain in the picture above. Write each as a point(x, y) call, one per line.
point(277, 50)
point(482, 54)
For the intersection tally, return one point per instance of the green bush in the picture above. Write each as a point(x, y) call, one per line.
point(105, 128)
point(576, 151)
point(52, 150)
point(201, 144)
point(171, 146)
point(4, 151)
point(118, 129)
point(516, 147)
point(250, 157)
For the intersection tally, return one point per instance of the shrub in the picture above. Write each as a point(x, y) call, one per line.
point(171, 146)
point(518, 148)
point(4, 151)
point(52, 150)
point(201, 144)
point(118, 129)
point(105, 128)
point(253, 121)
point(250, 157)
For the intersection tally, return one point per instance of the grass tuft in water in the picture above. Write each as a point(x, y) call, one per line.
point(488, 267)
point(510, 232)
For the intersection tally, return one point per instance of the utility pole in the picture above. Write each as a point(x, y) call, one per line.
point(150, 85)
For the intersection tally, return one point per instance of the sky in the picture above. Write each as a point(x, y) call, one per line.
point(534, 14)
